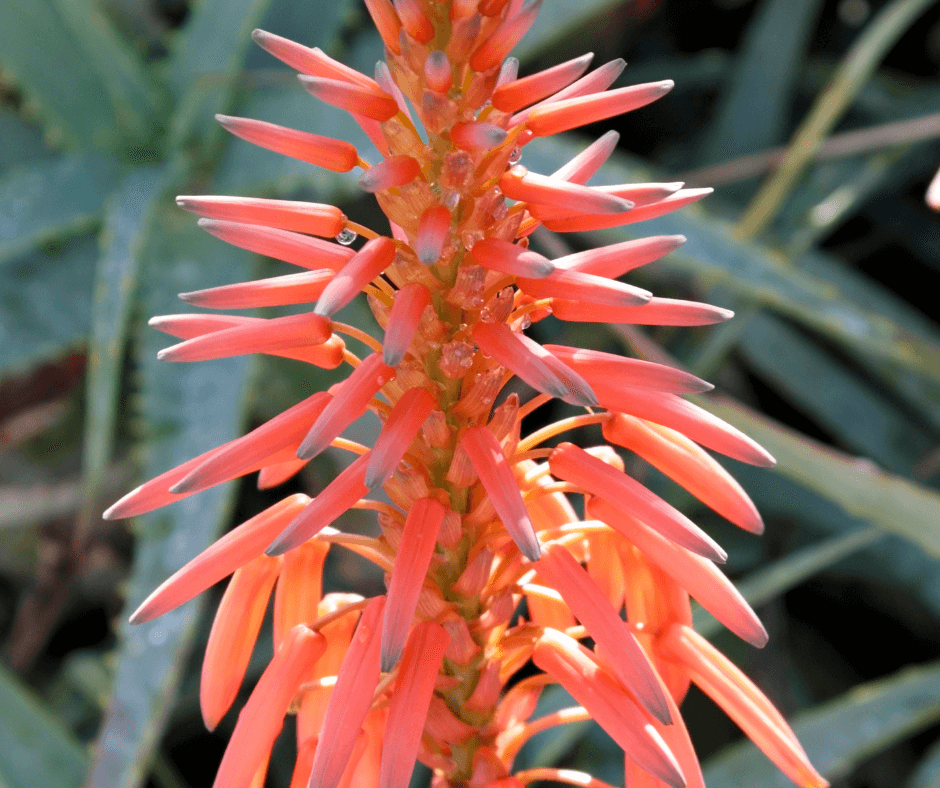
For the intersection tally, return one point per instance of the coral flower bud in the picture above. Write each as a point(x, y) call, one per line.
point(520, 184)
point(400, 429)
point(302, 288)
point(410, 701)
point(387, 22)
point(614, 710)
point(371, 103)
point(580, 111)
point(587, 288)
point(433, 231)
point(406, 314)
point(294, 248)
point(510, 32)
point(588, 161)
point(497, 479)
point(220, 559)
point(303, 217)
point(313, 62)
point(261, 719)
point(622, 650)
point(615, 260)
point(519, 93)
point(641, 213)
point(278, 473)
point(234, 632)
point(365, 266)
point(350, 700)
point(575, 465)
point(699, 576)
point(336, 155)
point(411, 565)
point(594, 83)
point(299, 588)
point(438, 73)
point(337, 499)
point(277, 333)
point(474, 135)
point(349, 403)
point(413, 20)
point(509, 258)
point(389, 173)
point(655, 312)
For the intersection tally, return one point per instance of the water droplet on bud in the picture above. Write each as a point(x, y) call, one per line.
point(515, 155)
point(346, 236)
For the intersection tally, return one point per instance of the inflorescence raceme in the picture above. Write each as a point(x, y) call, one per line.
point(480, 518)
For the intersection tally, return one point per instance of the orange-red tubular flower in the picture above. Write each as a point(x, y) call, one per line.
point(474, 515)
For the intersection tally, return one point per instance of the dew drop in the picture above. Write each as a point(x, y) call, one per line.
point(346, 236)
point(515, 155)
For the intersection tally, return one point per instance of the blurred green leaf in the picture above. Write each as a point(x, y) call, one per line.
point(857, 485)
point(881, 34)
point(841, 734)
point(843, 403)
point(128, 222)
point(35, 748)
point(46, 304)
point(790, 571)
point(45, 200)
point(186, 409)
point(205, 64)
point(550, 746)
point(22, 142)
point(556, 20)
point(755, 104)
point(62, 69)
point(927, 774)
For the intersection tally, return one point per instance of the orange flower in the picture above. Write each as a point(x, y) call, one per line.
point(480, 517)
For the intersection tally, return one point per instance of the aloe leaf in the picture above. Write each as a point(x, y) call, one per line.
point(186, 410)
point(46, 304)
point(127, 226)
point(843, 733)
point(35, 747)
point(754, 108)
point(22, 141)
point(556, 21)
point(927, 774)
point(205, 64)
point(862, 489)
point(790, 571)
point(51, 199)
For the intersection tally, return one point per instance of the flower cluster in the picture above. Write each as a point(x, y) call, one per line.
point(481, 517)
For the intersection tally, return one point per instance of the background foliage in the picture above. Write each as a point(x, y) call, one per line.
point(817, 121)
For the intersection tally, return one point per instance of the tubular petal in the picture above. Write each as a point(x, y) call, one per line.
point(246, 454)
point(631, 372)
point(273, 475)
point(519, 93)
point(371, 103)
point(692, 421)
point(586, 288)
point(588, 161)
point(571, 113)
point(400, 429)
point(433, 232)
point(299, 588)
point(336, 155)
point(500, 485)
point(655, 312)
point(234, 632)
point(261, 719)
point(573, 464)
point(615, 260)
point(221, 558)
point(338, 497)
point(414, 21)
point(612, 708)
point(349, 403)
point(475, 136)
point(387, 22)
point(520, 184)
point(313, 62)
point(411, 565)
point(641, 213)
point(699, 576)
point(302, 288)
point(350, 700)
point(686, 463)
point(390, 173)
point(741, 700)
point(590, 84)
point(622, 650)
point(509, 258)
point(277, 333)
point(302, 217)
point(492, 52)
point(406, 314)
point(367, 264)
point(438, 72)
point(294, 248)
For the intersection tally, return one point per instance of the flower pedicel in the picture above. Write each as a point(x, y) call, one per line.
point(480, 518)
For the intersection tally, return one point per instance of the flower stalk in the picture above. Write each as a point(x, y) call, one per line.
point(491, 572)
